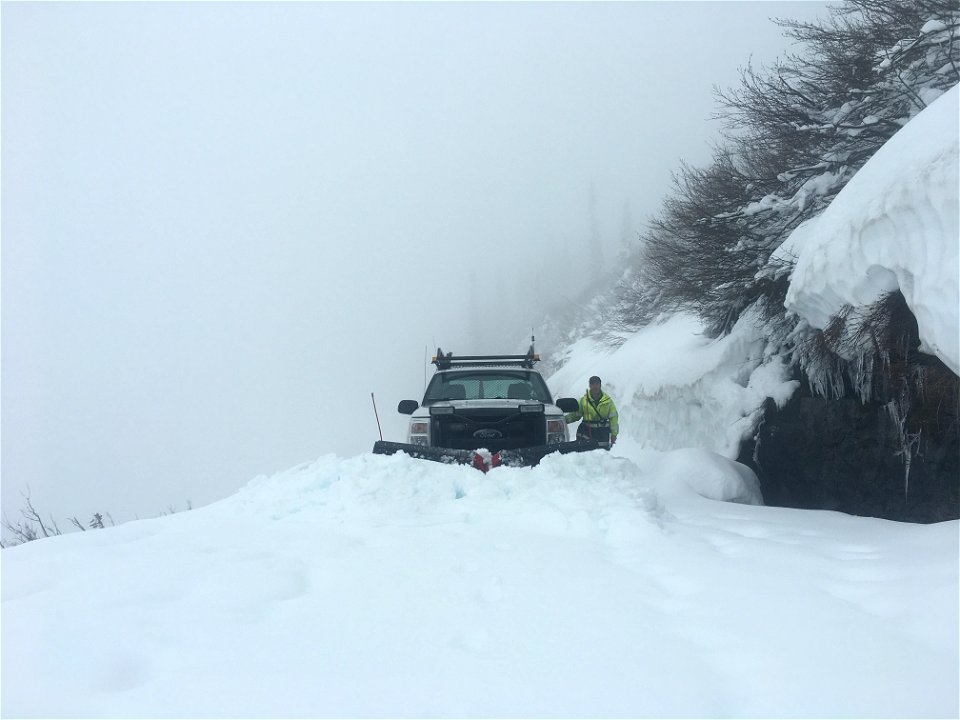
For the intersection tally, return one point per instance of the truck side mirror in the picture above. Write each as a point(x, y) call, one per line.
point(568, 405)
point(407, 407)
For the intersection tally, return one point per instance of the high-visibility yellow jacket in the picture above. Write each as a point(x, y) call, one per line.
point(601, 410)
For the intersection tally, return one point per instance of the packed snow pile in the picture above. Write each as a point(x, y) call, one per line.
point(593, 585)
point(676, 388)
point(894, 225)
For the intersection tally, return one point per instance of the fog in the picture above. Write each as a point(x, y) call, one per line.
point(225, 225)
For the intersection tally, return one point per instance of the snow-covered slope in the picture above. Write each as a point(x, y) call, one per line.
point(896, 224)
point(591, 586)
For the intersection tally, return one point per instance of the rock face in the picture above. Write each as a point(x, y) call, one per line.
point(819, 453)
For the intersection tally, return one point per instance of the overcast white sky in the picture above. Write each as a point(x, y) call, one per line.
point(225, 225)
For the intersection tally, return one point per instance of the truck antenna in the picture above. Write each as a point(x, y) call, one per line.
point(376, 415)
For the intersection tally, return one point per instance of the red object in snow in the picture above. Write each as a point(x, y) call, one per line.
point(484, 460)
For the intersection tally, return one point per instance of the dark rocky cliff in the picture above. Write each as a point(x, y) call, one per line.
point(841, 454)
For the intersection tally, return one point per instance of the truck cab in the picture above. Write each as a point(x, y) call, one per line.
point(486, 410)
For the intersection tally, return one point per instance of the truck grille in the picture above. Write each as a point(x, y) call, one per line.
point(491, 428)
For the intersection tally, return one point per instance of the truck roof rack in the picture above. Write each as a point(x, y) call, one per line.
point(445, 362)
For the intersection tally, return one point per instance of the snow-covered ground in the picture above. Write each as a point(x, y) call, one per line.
point(594, 585)
point(590, 586)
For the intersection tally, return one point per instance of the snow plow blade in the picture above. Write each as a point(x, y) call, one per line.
point(484, 459)
point(533, 455)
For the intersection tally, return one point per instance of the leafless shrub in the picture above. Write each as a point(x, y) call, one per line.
point(794, 135)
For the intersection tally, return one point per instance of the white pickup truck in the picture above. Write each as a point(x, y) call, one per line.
point(486, 410)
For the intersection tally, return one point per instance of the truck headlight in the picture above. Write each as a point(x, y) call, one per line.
point(556, 431)
point(419, 433)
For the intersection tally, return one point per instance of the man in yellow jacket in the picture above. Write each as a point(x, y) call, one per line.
point(600, 421)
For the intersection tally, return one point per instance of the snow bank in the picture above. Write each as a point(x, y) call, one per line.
point(894, 225)
point(710, 476)
point(590, 586)
point(675, 388)
point(382, 489)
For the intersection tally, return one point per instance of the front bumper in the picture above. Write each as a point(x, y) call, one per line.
point(482, 459)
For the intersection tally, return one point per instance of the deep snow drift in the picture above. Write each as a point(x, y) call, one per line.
point(595, 585)
point(896, 224)
point(591, 586)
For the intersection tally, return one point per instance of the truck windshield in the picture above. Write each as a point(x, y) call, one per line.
point(487, 385)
